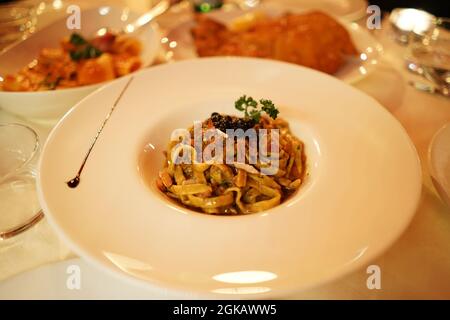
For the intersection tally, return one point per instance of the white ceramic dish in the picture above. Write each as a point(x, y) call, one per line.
point(51, 105)
point(439, 162)
point(362, 191)
point(49, 282)
point(355, 68)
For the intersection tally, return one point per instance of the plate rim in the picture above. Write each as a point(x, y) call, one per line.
point(340, 272)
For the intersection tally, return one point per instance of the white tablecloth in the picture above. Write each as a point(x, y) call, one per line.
point(418, 263)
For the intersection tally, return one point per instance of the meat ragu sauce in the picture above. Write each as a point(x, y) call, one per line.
point(312, 39)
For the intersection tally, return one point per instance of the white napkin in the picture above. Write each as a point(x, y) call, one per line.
point(36, 246)
point(39, 245)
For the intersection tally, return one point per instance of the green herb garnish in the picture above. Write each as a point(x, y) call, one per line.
point(83, 49)
point(76, 55)
point(252, 109)
point(77, 40)
point(269, 107)
point(87, 52)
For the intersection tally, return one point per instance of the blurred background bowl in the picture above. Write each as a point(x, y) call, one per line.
point(53, 104)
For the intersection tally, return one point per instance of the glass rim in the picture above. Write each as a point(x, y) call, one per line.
point(37, 216)
point(16, 230)
point(33, 152)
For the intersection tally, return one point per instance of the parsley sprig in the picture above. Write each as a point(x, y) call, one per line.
point(77, 40)
point(83, 49)
point(253, 109)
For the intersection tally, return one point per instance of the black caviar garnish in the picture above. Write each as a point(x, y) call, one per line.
point(224, 122)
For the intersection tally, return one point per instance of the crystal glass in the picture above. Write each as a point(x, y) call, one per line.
point(17, 20)
point(19, 207)
point(405, 21)
point(430, 52)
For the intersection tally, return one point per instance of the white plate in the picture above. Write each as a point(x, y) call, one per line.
point(363, 187)
point(181, 45)
point(53, 104)
point(50, 282)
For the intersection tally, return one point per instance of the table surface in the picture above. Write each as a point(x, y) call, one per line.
point(417, 265)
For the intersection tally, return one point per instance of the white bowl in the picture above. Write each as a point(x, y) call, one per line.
point(53, 104)
point(363, 186)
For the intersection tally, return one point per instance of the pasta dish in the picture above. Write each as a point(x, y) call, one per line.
point(311, 39)
point(77, 62)
point(229, 185)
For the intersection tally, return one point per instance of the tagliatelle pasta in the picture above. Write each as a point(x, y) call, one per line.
point(77, 62)
point(218, 186)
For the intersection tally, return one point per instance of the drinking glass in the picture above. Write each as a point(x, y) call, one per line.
point(19, 207)
point(17, 19)
point(405, 21)
point(430, 52)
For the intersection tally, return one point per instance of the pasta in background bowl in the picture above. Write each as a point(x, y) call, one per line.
point(50, 105)
point(77, 62)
